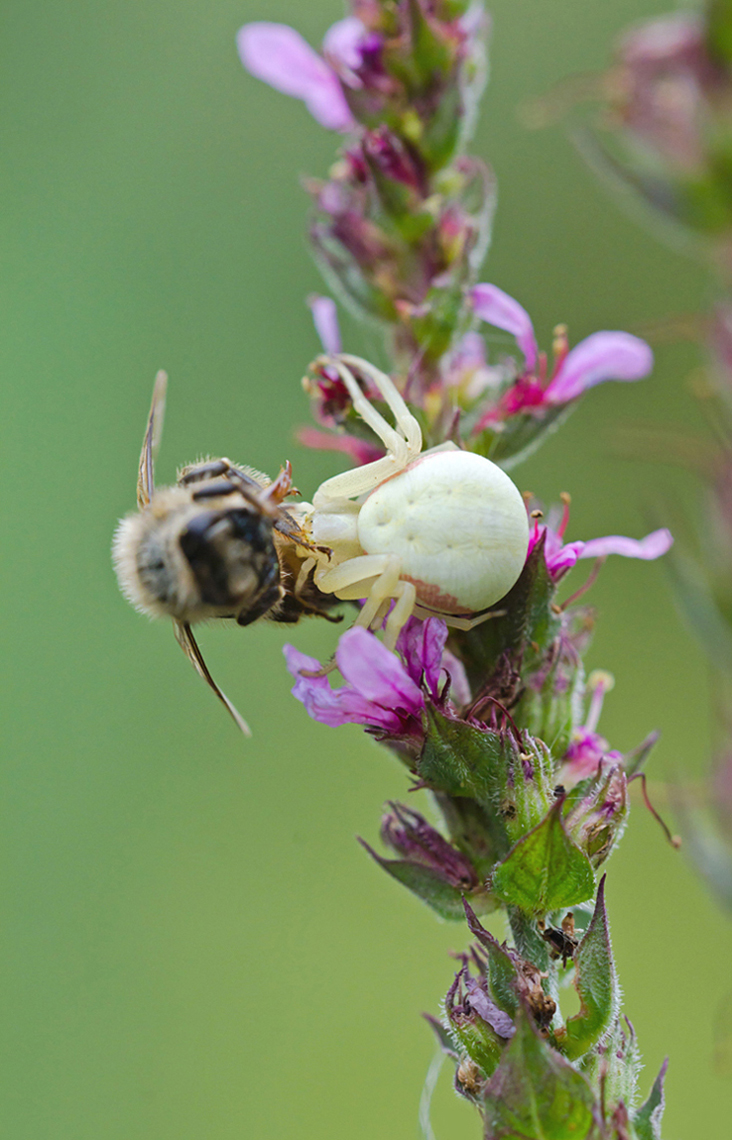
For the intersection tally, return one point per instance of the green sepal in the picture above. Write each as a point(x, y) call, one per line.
point(481, 1043)
point(615, 1066)
point(551, 712)
point(597, 985)
point(502, 973)
point(529, 943)
point(545, 870)
point(535, 1094)
point(461, 760)
point(476, 832)
point(520, 436)
point(422, 881)
point(647, 1120)
point(526, 623)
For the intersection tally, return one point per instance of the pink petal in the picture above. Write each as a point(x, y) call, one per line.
point(495, 307)
point(342, 42)
point(565, 557)
point(334, 706)
point(602, 356)
point(280, 56)
point(325, 319)
point(356, 449)
point(375, 672)
point(648, 548)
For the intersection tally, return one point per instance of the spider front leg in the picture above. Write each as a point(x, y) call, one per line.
point(403, 443)
point(377, 578)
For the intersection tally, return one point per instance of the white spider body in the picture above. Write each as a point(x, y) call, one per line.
point(442, 532)
point(457, 523)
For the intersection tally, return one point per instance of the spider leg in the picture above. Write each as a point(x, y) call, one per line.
point(375, 577)
point(394, 443)
point(466, 623)
point(405, 596)
point(349, 484)
point(403, 418)
point(353, 578)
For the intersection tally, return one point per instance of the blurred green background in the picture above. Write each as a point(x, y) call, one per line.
point(194, 944)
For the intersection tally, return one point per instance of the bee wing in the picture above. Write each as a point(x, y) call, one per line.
point(151, 442)
point(189, 645)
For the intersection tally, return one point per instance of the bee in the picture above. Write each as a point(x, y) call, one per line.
point(220, 543)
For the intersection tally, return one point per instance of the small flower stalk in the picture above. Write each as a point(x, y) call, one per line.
point(487, 707)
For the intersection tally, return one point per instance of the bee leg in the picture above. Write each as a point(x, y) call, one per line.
point(212, 469)
point(282, 486)
point(263, 605)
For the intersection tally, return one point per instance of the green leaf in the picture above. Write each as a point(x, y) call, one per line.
point(535, 1094)
point(422, 881)
point(545, 870)
point(597, 985)
point(647, 1120)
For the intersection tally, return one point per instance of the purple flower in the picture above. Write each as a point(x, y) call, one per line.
point(561, 557)
point(383, 691)
point(601, 356)
point(280, 56)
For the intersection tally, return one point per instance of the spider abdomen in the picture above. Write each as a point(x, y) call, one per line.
point(458, 525)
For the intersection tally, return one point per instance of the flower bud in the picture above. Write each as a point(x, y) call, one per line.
point(598, 820)
point(478, 1026)
point(411, 836)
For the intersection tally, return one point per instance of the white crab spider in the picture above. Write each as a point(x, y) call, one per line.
point(442, 532)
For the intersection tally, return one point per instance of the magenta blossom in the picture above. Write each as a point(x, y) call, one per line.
point(383, 691)
point(588, 750)
point(601, 356)
point(280, 56)
point(561, 557)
